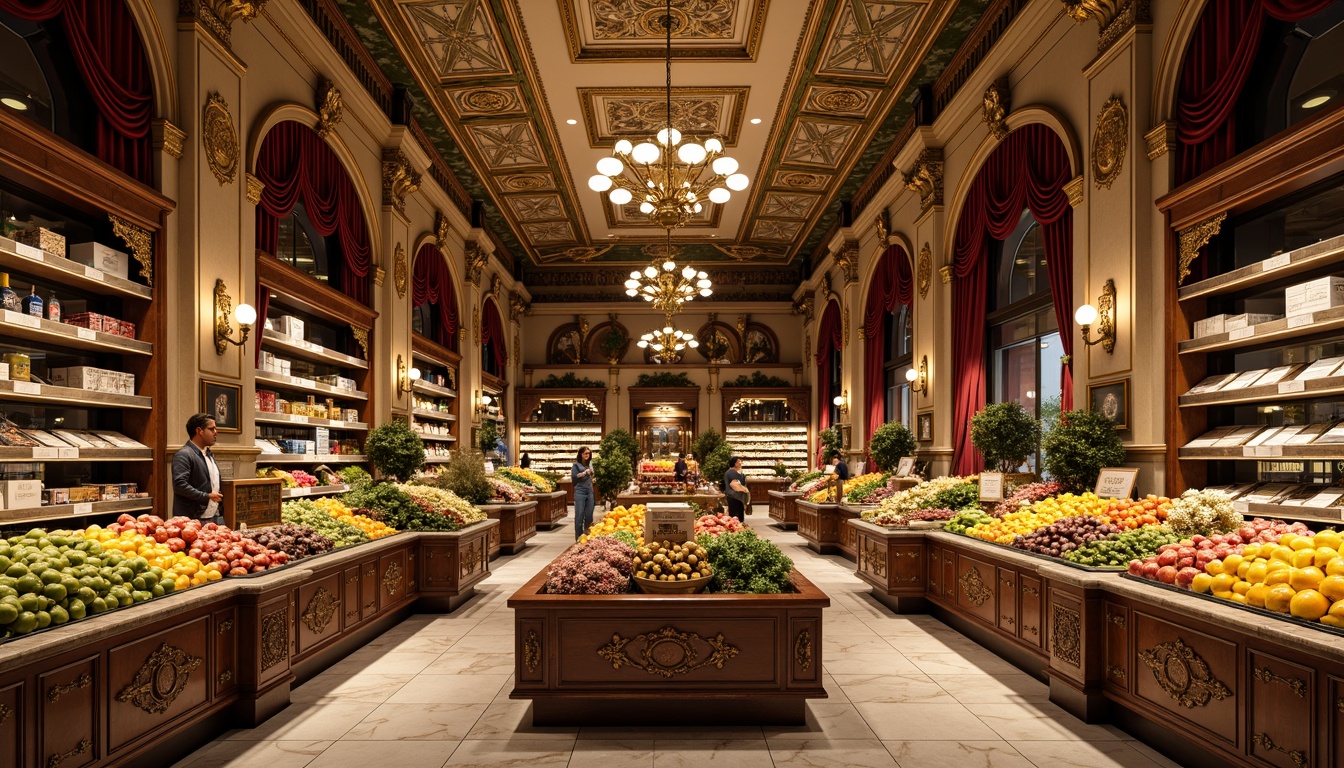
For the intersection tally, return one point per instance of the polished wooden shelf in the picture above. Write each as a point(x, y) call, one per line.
point(425, 388)
point(62, 511)
point(309, 350)
point(437, 438)
point(1323, 254)
point(308, 385)
point(316, 490)
point(1264, 333)
point(292, 420)
point(311, 458)
point(1294, 511)
point(434, 415)
point(32, 392)
point(58, 269)
point(1331, 452)
point(1329, 385)
point(66, 336)
point(12, 454)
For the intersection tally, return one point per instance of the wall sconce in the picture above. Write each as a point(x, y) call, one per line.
point(224, 311)
point(482, 402)
point(919, 379)
point(842, 402)
point(1104, 315)
point(405, 379)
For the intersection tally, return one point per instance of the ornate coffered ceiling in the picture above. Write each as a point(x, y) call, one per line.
point(504, 77)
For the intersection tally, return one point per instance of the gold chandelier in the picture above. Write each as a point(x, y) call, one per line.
point(667, 342)
point(667, 175)
point(665, 287)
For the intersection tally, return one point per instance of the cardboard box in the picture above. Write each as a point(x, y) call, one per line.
point(56, 496)
point(21, 494)
point(43, 238)
point(289, 326)
point(100, 256)
point(81, 494)
point(91, 320)
point(1314, 296)
point(1210, 326)
point(4, 371)
point(1246, 320)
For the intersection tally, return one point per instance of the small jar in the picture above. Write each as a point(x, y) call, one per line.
point(20, 366)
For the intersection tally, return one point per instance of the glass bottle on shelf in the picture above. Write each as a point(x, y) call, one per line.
point(8, 298)
point(32, 304)
point(53, 308)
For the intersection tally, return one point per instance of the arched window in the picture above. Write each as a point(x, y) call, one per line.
point(301, 247)
point(433, 300)
point(1298, 73)
point(899, 357)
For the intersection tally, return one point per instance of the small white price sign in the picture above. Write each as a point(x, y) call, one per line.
point(1246, 450)
point(302, 492)
point(44, 453)
point(1241, 333)
point(27, 388)
point(19, 318)
point(1241, 506)
point(1286, 387)
point(991, 486)
point(1116, 483)
point(1298, 321)
point(1278, 262)
point(67, 453)
point(83, 508)
point(85, 333)
point(96, 274)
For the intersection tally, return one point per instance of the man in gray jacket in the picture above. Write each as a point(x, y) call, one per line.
point(195, 473)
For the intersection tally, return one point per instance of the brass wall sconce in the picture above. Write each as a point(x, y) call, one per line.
point(919, 378)
point(405, 379)
point(482, 402)
point(225, 313)
point(842, 402)
point(1103, 315)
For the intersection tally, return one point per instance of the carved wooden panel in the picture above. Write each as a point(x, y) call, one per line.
point(393, 579)
point(154, 681)
point(905, 563)
point(686, 653)
point(808, 524)
point(350, 602)
point(1117, 672)
point(1029, 610)
point(1190, 675)
point(531, 654)
point(804, 644)
point(368, 590)
point(935, 571)
point(1281, 711)
point(949, 578)
point(440, 567)
point(224, 674)
point(846, 534)
point(320, 607)
point(976, 586)
point(12, 721)
point(1065, 634)
point(1007, 611)
point(68, 723)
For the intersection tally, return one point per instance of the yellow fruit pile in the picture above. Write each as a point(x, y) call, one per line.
point(1043, 513)
point(619, 519)
point(1299, 575)
point(371, 528)
point(187, 571)
point(824, 495)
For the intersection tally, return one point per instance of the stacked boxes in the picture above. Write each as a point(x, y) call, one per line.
point(289, 326)
point(94, 380)
point(96, 322)
point(340, 382)
point(1314, 296)
point(43, 239)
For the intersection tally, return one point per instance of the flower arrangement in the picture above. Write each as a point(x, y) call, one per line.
point(1203, 512)
point(919, 497)
point(601, 566)
point(1026, 495)
point(854, 482)
point(443, 502)
point(528, 478)
point(506, 491)
point(868, 491)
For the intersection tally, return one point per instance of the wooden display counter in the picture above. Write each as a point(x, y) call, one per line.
point(784, 507)
point(567, 486)
point(708, 500)
point(150, 683)
point(640, 659)
point(823, 527)
point(761, 487)
point(517, 524)
point(551, 509)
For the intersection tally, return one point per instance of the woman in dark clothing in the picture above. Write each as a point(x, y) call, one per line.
point(584, 501)
point(679, 471)
point(735, 488)
point(525, 462)
point(841, 468)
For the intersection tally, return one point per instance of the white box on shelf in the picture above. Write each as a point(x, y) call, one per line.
point(4, 371)
point(322, 438)
point(1210, 326)
point(289, 326)
point(21, 494)
point(1246, 320)
point(100, 256)
point(1314, 296)
point(284, 366)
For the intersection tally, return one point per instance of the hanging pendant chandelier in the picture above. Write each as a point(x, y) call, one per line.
point(666, 287)
point(672, 179)
point(667, 342)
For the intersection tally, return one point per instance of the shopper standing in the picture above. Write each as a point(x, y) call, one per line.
point(584, 501)
point(735, 488)
point(841, 468)
point(679, 470)
point(525, 462)
point(195, 473)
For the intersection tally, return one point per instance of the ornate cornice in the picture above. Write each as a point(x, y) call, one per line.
point(1114, 17)
point(805, 306)
point(847, 259)
point(615, 276)
point(518, 307)
point(925, 178)
point(1160, 139)
point(399, 179)
point(330, 108)
point(441, 228)
point(255, 187)
point(168, 138)
point(995, 106)
point(1074, 189)
point(218, 15)
point(1194, 238)
point(476, 259)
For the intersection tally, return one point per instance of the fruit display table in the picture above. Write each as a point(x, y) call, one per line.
point(148, 684)
point(550, 509)
point(823, 527)
point(567, 486)
point(783, 507)
point(517, 524)
point(761, 487)
point(708, 500)
point(636, 659)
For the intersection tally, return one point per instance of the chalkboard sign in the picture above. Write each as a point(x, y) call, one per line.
point(253, 503)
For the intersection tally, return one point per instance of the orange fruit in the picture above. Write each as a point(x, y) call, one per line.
point(1279, 598)
point(1324, 555)
point(1301, 542)
point(1309, 604)
point(1304, 557)
point(1332, 587)
point(1276, 577)
point(1306, 578)
point(1282, 554)
point(1256, 595)
point(1257, 572)
point(1202, 583)
point(1335, 567)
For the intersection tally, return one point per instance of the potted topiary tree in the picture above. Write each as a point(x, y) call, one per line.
point(890, 443)
point(1079, 446)
point(395, 451)
point(831, 442)
point(715, 465)
point(611, 472)
point(487, 437)
point(464, 475)
point(620, 438)
point(1006, 435)
point(705, 443)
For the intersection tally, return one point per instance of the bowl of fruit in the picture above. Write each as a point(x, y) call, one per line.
point(663, 568)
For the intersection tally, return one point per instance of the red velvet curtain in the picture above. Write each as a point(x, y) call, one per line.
point(830, 340)
point(1216, 67)
point(492, 333)
point(110, 56)
point(298, 167)
point(893, 285)
point(1027, 171)
point(433, 284)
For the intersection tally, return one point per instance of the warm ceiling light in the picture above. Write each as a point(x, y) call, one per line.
point(755, 121)
point(1311, 103)
point(572, 121)
point(13, 103)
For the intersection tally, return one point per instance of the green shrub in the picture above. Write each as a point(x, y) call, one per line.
point(611, 472)
point(757, 379)
point(743, 562)
point(354, 476)
point(830, 442)
point(569, 381)
point(890, 443)
point(619, 438)
point(464, 474)
point(663, 379)
point(715, 465)
point(395, 450)
point(705, 443)
point(487, 436)
point(1080, 445)
point(1005, 434)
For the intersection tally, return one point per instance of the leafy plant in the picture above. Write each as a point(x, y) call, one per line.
point(395, 450)
point(757, 379)
point(830, 442)
point(611, 472)
point(780, 469)
point(611, 342)
point(391, 506)
point(354, 476)
point(705, 443)
point(569, 381)
point(619, 439)
point(959, 496)
point(743, 562)
point(715, 464)
point(464, 475)
point(890, 443)
point(663, 379)
point(1005, 434)
point(1079, 446)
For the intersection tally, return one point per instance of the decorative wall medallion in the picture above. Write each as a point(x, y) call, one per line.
point(995, 107)
point(1159, 140)
point(475, 263)
point(362, 337)
point(1263, 741)
point(274, 638)
point(255, 187)
point(1192, 240)
point(802, 180)
point(667, 652)
point(974, 588)
point(531, 651)
point(399, 276)
point(876, 557)
point(321, 610)
point(1066, 634)
point(924, 270)
point(399, 179)
point(220, 139)
point(946, 274)
point(925, 178)
point(867, 38)
point(168, 138)
point(459, 37)
point(55, 693)
point(1267, 676)
point(160, 680)
point(1114, 17)
point(329, 107)
point(1183, 674)
point(802, 650)
point(487, 101)
point(527, 182)
point(139, 241)
point(54, 761)
point(1110, 142)
point(392, 579)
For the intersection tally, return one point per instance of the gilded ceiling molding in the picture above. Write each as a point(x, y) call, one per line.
point(995, 106)
point(1110, 142)
point(924, 271)
point(399, 179)
point(168, 138)
point(475, 262)
point(1114, 17)
point(925, 178)
point(330, 108)
point(1194, 238)
point(220, 138)
point(847, 258)
point(399, 270)
point(1160, 139)
point(218, 15)
point(141, 243)
point(1074, 189)
point(805, 307)
point(255, 187)
point(441, 228)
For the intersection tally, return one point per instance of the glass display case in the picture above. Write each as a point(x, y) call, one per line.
point(768, 426)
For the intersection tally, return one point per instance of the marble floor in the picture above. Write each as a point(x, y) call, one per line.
point(904, 691)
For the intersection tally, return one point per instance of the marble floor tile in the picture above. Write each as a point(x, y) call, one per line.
point(310, 721)
point(364, 689)
point(665, 733)
point(893, 689)
point(255, 754)
point(924, 722)
point(981, 662)
point(455, 663)
point(1040, 721)
point(888, 663)
point(993, 689)
point(695, 753)
point(826, 721)
point(417, 722)
point(513, 720)
point(956, 754)
point(402, 754)
point(367, 662)
point(832, 753)
point(613, 753)
point(1072, 754)
point(507, 753)
point(449, 689)
point(1152, 754)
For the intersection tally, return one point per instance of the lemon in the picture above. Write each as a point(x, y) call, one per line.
point(1309, 604)
point(1287, 539)
point(1328, 539)
point(1202, 583)
point(1335, 567)
point(1244, 569)
point(1241, 587)
point(1279, 598)
point(1337, 609)
point(1232, 563)
point(1250, 551)
point(1237, 598)
point(1222, 582)
point(1280, 576)
point(1304, 557)
point(1256, 572)
point(1214, 567)
point(1324, 555)
point(1301, 542)
point(1277, 565)
point(1306, 578)
point(1282, 554)
point(1332, 587)
point(1256, 595)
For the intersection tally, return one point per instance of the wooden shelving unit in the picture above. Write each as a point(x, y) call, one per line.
point(435, 405)
point(550, 431)
point(768, 425)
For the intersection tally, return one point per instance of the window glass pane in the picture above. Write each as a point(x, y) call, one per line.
point(1052, 349)
point(1015, 374)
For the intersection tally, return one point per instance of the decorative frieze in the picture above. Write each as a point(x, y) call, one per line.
point(1114, 17)
point(218, 16)
point(330, 108)
point(1160, 139)
point(995, 106)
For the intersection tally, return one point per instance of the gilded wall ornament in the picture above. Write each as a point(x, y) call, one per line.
point(5, 712)
point(925, 178)
point(139, 241)
point(160, 680)
point(442, 229)
point(496, 287)
point(1114, 17)
point(476, 260)
point(330, 109)
point(802, 650)
point(476, 323)
point(995, 106)
point(805, 306)
point(274, 638)
point(518, 307)
point(924, 270)
point(362, 337)
point(168, 138)
point(1110, 142)
point(1194, 238)
point(1267, 676)
point(883, 234)
point(667, 652)
point(945, 273)
point(399, 179)
point(974, 588)
point(399, 270)
point(255, 187)
point(847, 258)
point(55, 692)
point(220, 138)
point(1073, 188)
point(81, 748)
point(392, 579)
point(321, 609)
point(531, 650)
point(379, 275)
point(740, 252)
point(1183, 674)
point(1263, 741)
point(218, 15)
point(1160, 140)
point(1066, 635)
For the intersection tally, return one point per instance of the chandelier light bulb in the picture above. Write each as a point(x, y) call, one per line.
point(657, 347)
point(632, 283)
point(620, 196)
point(600, 183)
point(702, 283)
point(610, 166)
point(691, 153)
point(701, 274)
point(698, 208)
point(723, 166)
point(693, 343)
point(688, 272)
point(669, 265)
point(713, 145)
point(645, 153)
point(705, 292)
point(631, 292)
point(676, 136)
point(623, 147)
point(642, 343)
point(667, 329)
point(717, 195)
point(737, 182)
point(646, 207)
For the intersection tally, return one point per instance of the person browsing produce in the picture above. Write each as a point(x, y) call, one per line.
point(735, 487)
point(584, 501)
point(679, 469)
point(195, 473)
point(841, 468)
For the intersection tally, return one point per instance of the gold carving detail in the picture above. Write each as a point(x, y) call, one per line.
point(1192, 240)
point(141, 243)
point(442, 229)
point(974, 588)
point(160, 680)
point(946, 274)
point(225, 626)
point(924, 271)
point(1118, 619)
point(55, 693)
point(667, 652)
point(1296, 685)
point(995, 107)
point(220, 138)
point(399, 179)
point(1263, 741)
point(1115, 672)
point(1183, 674)
point(225, 677)
point(476, 260)
point(518, 307)
point(330, 108)
point(362, 338)
point(802, 650)
point(1114, 17)
point(848, 261)
point(219, 15)
point(1110, 142)
point(1066, 635)
point(274, 638)
point(168, 138)
point(321, 610)
point(1159, 140)
point(805, 307)
point(1074, 189)
point(876, 557)
point(399, 270)
point(925, 178)
point(392, 579)
point(255, 187)
point(82, 747)
point(5, 712)
point(531, 651)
